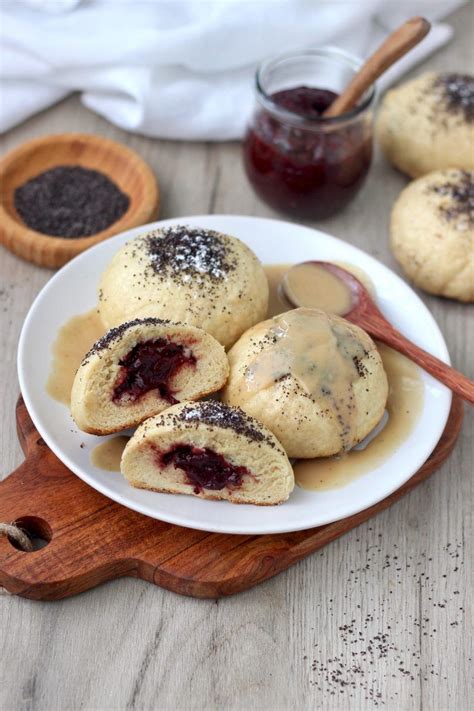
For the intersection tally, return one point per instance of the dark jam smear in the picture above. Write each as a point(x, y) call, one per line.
point(306, 173)
point(204, 468)
point(150, 366)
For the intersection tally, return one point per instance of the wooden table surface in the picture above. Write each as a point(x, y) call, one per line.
point(379, 618)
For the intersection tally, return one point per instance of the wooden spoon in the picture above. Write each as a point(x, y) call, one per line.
point(364, 313)
point(395, 46)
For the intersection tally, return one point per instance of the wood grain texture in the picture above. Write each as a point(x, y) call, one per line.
point(119, 163)
point(130, 645)
point(92, 539)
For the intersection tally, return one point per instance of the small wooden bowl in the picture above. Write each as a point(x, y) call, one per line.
point(120, 164)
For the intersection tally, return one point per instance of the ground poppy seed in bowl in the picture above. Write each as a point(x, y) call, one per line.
point(70, 201)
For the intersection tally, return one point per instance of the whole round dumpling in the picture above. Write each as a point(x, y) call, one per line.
point(432, 233)
point(195, 276)
point(428, 123)
point(314, 379)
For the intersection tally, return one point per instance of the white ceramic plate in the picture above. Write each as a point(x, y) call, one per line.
point(73, 290)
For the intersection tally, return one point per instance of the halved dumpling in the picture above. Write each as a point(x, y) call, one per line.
point(211, 450)
point(142, 367)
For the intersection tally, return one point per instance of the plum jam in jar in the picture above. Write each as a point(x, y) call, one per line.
point(298, 161)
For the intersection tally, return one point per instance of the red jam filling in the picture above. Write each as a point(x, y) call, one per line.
point(150, 366)
point(303, 172)
point(204, 468)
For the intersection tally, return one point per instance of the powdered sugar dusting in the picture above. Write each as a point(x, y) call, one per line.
point(192, 413)
point(189, 253)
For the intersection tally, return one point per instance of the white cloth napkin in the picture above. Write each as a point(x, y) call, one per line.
point(179, 69)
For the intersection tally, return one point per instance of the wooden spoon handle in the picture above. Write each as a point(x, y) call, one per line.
point(395, 46)
point(453, 379)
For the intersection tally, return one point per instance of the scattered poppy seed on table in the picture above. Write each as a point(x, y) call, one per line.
point(70, 201)
point(366, 639)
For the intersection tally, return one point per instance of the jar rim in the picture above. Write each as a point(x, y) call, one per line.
point(307, 121)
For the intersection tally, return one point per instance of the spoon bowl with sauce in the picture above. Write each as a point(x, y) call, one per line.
point(331, 288)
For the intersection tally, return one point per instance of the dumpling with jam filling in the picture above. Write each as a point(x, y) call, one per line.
point(142, 367)
point(210, 450)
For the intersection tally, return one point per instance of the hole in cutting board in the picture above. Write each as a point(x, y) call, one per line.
point(38, 530)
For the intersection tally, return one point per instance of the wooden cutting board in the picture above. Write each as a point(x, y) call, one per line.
point(92, 539)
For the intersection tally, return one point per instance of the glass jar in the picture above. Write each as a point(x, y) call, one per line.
point(299, 162)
